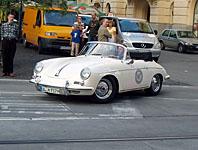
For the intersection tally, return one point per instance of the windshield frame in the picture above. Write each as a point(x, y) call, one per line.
point(57, 21)
point(92, 51)
point(123, 29)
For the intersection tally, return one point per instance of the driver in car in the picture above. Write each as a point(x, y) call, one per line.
point(120, 52)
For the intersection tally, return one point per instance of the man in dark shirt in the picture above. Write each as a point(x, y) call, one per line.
point(9, 33)
point(93, 28)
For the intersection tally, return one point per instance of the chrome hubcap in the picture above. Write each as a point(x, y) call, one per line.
point(104, 89)
point(180, 49)
point(156, 83)
point(24, 42)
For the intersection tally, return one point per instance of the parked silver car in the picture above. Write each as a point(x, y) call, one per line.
point(181, 40)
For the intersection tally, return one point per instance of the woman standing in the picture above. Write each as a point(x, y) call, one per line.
point(112, 30)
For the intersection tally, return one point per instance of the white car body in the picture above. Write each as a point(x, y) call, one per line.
point(63, 75)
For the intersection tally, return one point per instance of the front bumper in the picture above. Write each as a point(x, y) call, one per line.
point(64, 89)
point(191, 47)
point(155, 52)
point(62, 44)
point(167, 77)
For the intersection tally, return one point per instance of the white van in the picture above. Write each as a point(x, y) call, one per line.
point(137, 35)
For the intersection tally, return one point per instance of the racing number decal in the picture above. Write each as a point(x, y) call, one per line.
point(138, 76)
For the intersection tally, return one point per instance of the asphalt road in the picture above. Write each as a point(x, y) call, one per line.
point(32, 120)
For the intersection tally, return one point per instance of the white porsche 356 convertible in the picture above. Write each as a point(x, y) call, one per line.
point(101, 71)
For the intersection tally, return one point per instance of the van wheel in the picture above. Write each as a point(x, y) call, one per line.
point(25, 43)
point(162, 45)
point(40, 47)
point(156, 59)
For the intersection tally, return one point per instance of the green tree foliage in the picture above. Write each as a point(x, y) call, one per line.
point(7, 6)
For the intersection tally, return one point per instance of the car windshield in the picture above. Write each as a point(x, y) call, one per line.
point(134, 26)
point(59, 18)
point(185, 34)
point(104, 50)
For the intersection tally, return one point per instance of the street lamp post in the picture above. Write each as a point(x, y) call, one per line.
point(102, 1)
point(20, 18)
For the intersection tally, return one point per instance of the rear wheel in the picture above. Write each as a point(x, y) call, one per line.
point(156, 85)
point(105, 90)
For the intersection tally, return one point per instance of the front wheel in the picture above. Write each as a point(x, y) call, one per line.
point(181, 48)
point(156, 85)
point(162, 45)
point(156, 59)
point(26, 43)
point(40, 47)
point(105, 90)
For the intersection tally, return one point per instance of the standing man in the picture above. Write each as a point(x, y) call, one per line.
point(9, 33)
point(103, 33)
point(93, 28)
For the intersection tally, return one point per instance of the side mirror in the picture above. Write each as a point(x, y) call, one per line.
point(129, 61)
point(155, 31)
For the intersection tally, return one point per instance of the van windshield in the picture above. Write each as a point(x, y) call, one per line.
point(59, 18)
point(134, 26)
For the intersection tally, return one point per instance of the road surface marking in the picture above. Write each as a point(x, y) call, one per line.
point(14, 80)
point(172, 99)
point(66, 118)
point(126, 109)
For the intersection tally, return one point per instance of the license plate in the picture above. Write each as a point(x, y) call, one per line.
point(64, 47)
point(51, 90)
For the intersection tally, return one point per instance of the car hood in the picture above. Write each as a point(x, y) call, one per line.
point(139, 37)
point(68, 68)
point(190, 40)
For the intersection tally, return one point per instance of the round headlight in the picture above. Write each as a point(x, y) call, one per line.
point(188, 43)
point(38, 68)
point(85, 73)
point(127, 43)
point(157, 45)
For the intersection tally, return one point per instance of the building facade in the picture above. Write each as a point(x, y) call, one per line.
point(160, 13)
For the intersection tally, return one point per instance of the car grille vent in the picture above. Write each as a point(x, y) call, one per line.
point(61, 42)
point(142, 45)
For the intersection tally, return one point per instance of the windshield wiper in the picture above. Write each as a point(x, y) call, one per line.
point(51, 24)
point(97, 54)
point(64, 25)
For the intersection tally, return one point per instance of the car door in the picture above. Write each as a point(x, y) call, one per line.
point(36, 28)
point(134, 75)
point(164, 37)
point(173, 41)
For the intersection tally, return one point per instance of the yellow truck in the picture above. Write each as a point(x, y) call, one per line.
point(48, 28)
